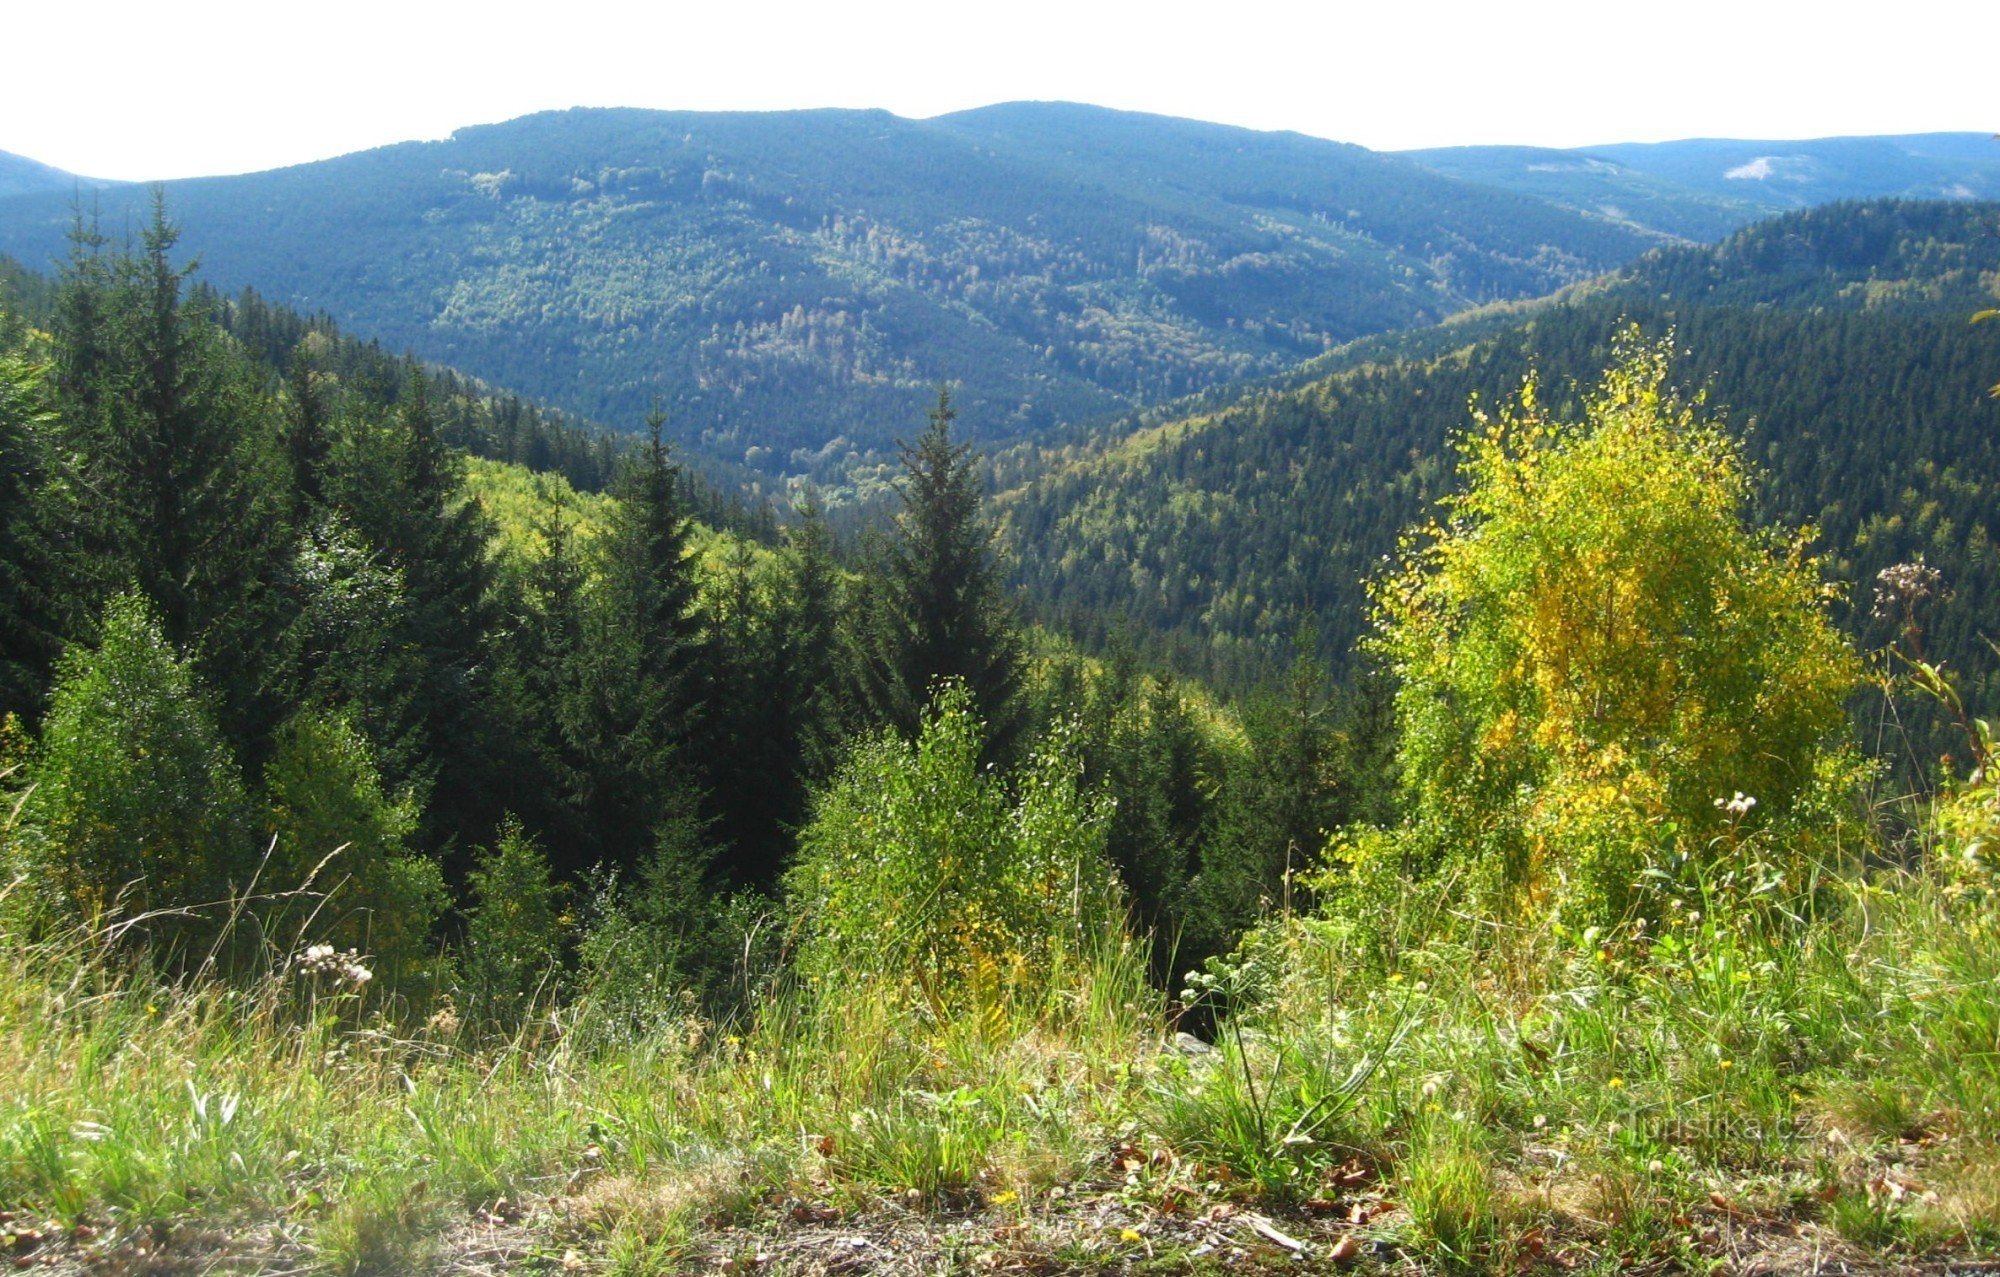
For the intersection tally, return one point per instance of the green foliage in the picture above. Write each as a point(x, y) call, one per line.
point(172, 484)
point(638, 681)
point(918, 870)
point(938, 611)
point(138, 805)
point(1595, 655)
point(513, 930)
point(1280, 797)
point(1836, 337)
point(339, 835)
point(667, 942)
point(27, 601)
point(402, 490)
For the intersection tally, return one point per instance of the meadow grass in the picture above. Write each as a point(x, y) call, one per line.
point(1474, 1096)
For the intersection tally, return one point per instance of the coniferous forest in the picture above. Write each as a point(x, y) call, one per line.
point(1509, 795)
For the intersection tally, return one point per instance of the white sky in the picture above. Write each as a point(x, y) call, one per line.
point(176, 88)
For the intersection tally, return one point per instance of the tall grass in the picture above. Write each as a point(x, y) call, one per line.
point(133, 1101)
point(1745, 1058)
point(1500, 1088)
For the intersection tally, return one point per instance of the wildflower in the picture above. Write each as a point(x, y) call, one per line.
point(1616, 1084)
point(1725, 1064)
point(1900, 587)
point(1739, 806)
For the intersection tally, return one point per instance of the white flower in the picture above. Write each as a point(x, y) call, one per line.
point(1738, 806)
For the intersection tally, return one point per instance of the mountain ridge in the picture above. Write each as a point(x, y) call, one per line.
point(792, 286)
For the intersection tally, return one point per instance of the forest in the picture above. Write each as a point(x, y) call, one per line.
point(1481, 811)
point(790, 286)
point(1834, 340)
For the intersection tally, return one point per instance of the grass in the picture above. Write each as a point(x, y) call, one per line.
point(1474, 1100)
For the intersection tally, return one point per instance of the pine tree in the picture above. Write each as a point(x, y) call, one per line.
point(938, 612)
point(173, 488)
point(28, 625)
point(646, 654)
point(138, 804)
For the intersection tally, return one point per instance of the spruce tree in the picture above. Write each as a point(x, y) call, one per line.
point(938, 611)
point(811, 614)
point(404, 492)
point(308, 429)
point(173, 486)
point(646, 658)
point(28, 625)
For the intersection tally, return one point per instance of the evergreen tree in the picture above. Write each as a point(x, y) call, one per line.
point(809, 597)
point(308, 429)
point(174, 489)
point(748, 733)
point(138, 804)
point(552, 719)
point(1280, 801)
point(403, 489)
point(28, 624)
point(646, 655)
point(938, 612)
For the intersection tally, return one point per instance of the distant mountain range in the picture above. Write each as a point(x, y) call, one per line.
point(1703, 189)
point(20, 175)
point(790, 287)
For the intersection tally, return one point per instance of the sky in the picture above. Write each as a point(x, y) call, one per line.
point(181, 88)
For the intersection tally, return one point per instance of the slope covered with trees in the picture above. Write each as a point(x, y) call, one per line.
point(1838, 341)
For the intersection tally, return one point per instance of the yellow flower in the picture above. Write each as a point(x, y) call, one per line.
point(1616, 1084)
point(1725, 1064)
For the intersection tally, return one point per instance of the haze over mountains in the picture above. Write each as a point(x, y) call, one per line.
point(790, 287)
point(1702, 189)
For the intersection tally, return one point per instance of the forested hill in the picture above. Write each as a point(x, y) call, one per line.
point(1702, 189)
point(1836, 341)
point(20, 175)
point(792, 286)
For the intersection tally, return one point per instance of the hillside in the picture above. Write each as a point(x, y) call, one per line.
point(792, 286)
point(1836, 340)
point(1703, 189)
point(20, 175)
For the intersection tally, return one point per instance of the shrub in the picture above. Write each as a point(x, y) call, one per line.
point(138, 806)
point(334, 829)
point(513, 932)
point(1604, 673)
point(918, 867)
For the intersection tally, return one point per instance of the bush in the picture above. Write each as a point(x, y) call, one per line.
point(917, 867)
point(138, 806)
point(1604, 673)
point(334, 830)
point(513, 932)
